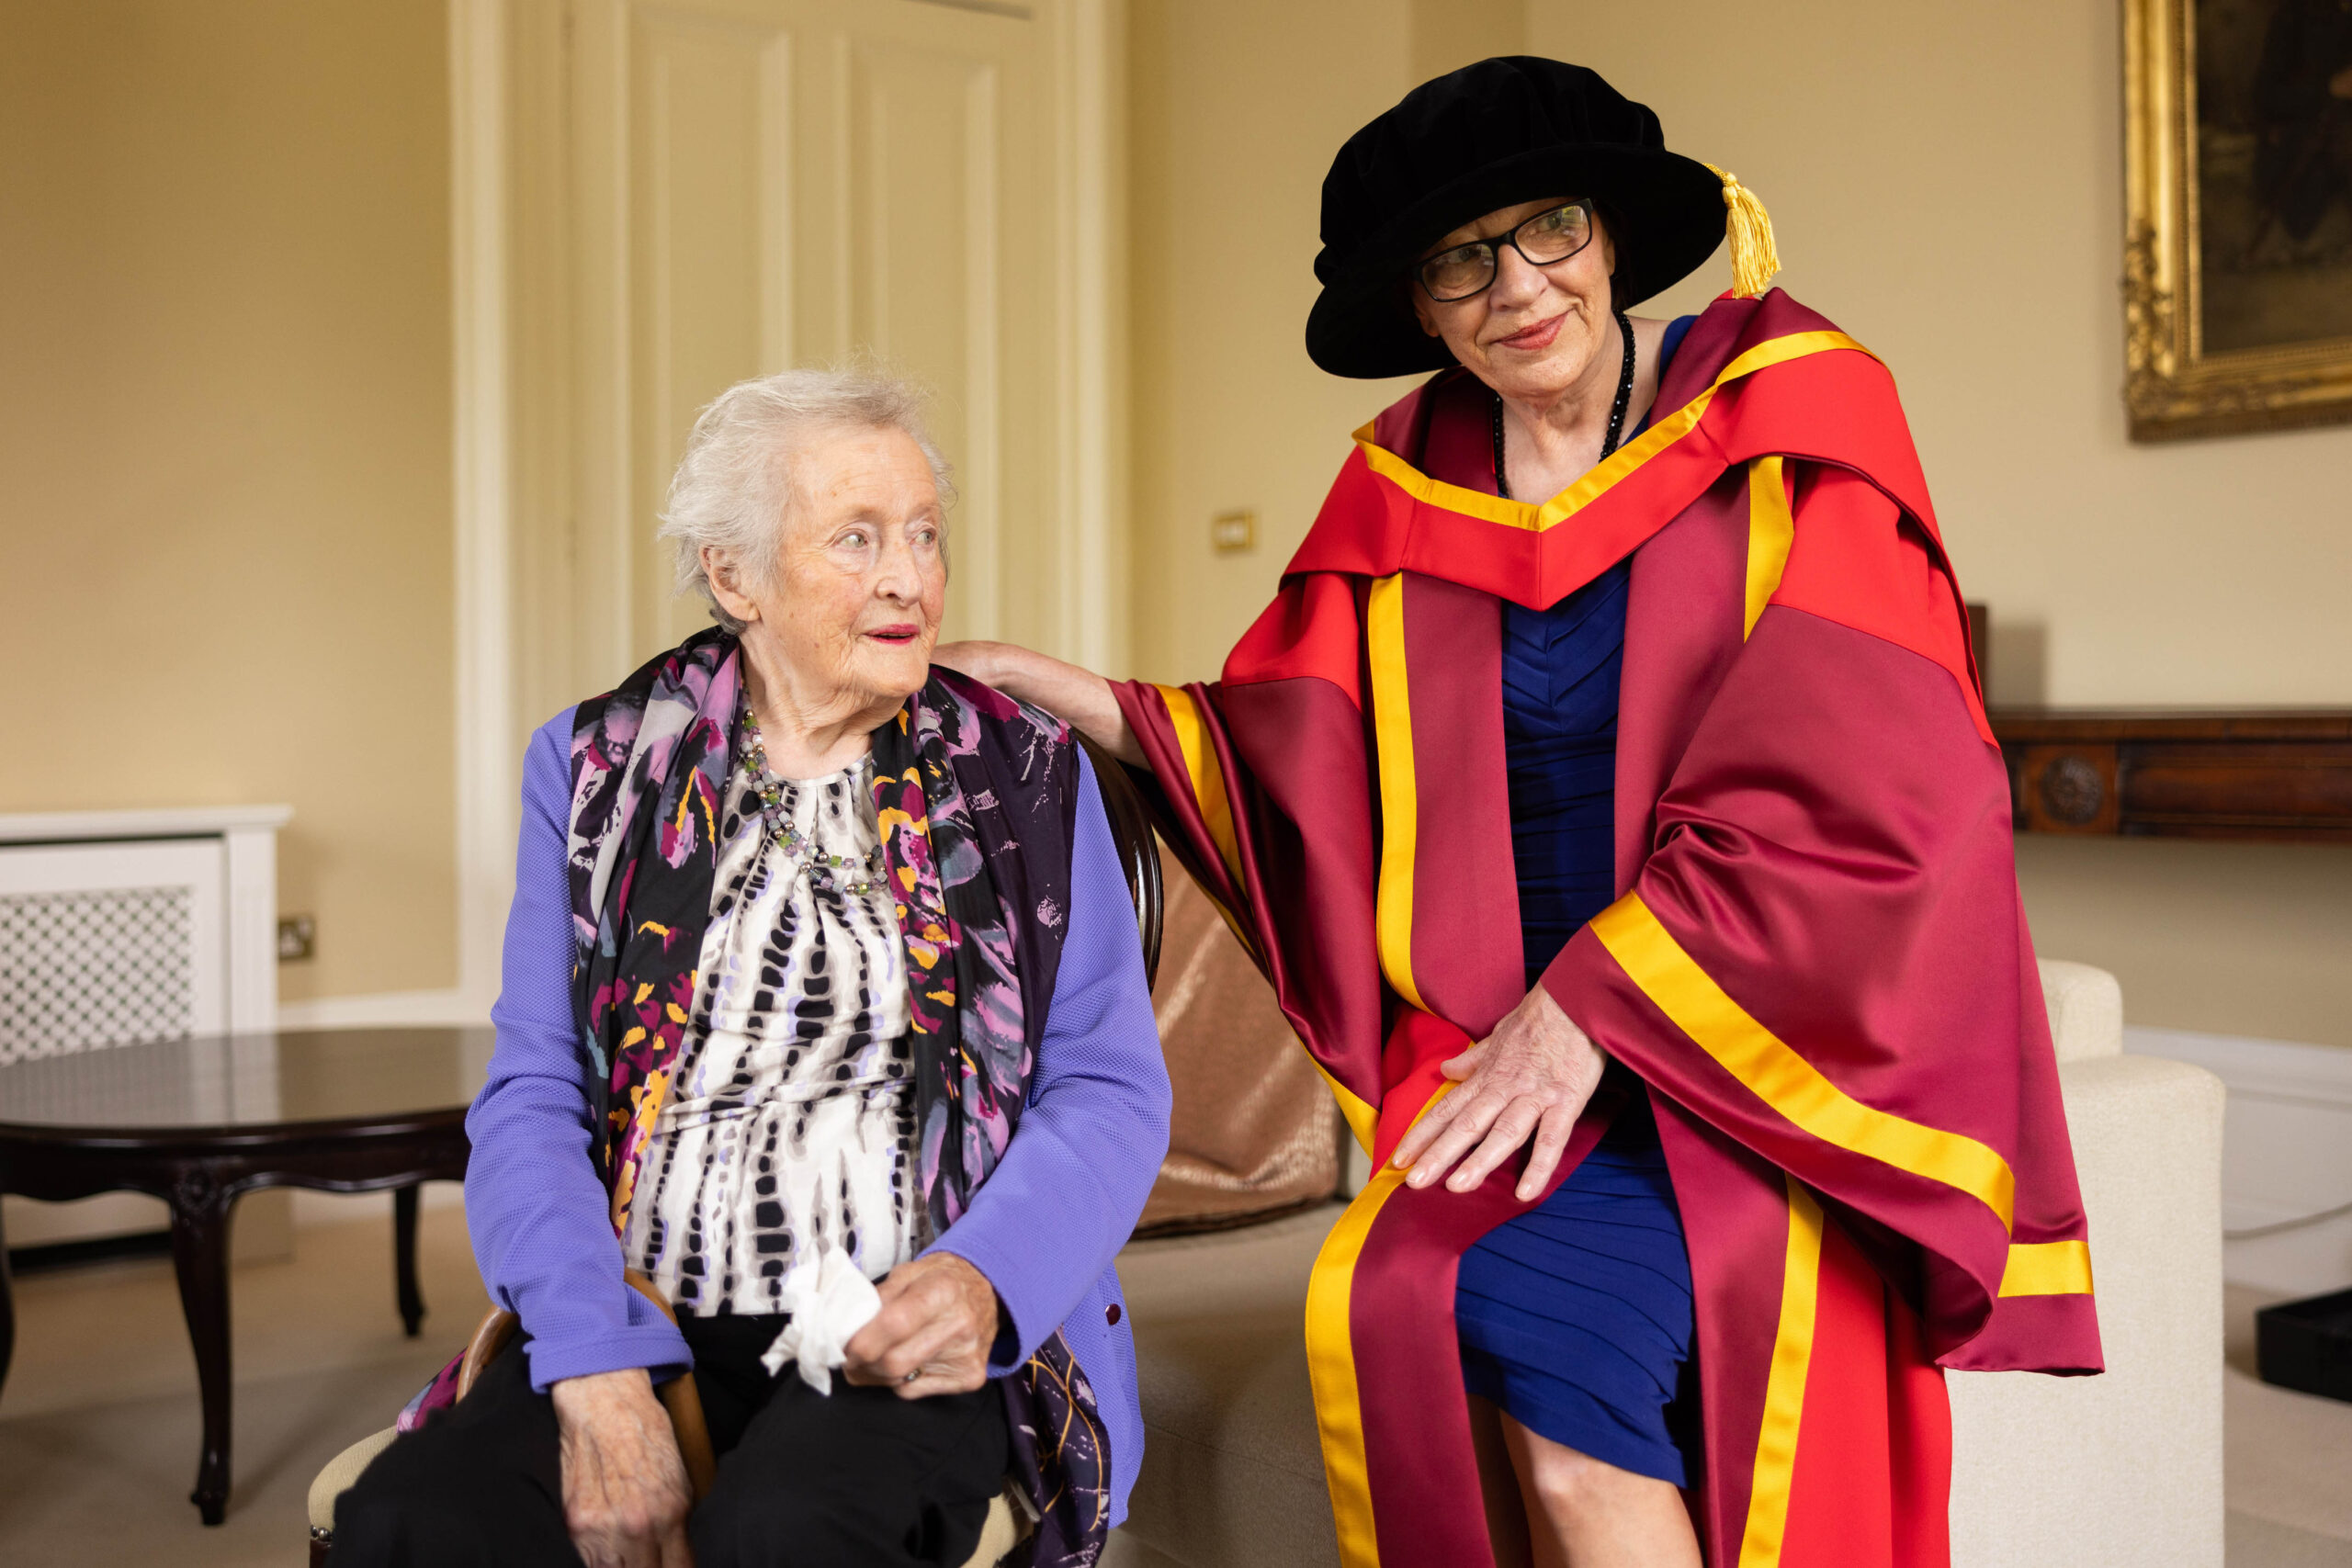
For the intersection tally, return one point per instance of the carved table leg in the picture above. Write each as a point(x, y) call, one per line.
point(404, 1257)
point(200, 1255)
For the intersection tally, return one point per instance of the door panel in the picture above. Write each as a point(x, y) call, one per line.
point(766, 183)
point(709, 100)
point(923, 205)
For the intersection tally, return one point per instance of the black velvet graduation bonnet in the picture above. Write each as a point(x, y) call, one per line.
point(1505, 131)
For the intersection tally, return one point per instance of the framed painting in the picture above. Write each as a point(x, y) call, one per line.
point(2237, 265)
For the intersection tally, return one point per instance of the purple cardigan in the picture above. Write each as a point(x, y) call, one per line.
point(1043, 1229)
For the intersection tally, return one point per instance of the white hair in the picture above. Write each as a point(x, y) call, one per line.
point(740, 473)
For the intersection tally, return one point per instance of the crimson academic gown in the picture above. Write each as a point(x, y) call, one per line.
point(1818, 965)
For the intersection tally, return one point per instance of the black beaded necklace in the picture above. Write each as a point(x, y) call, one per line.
point(1616, 411)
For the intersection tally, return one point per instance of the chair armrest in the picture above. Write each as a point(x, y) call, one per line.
point(2125, 1467)
point(2086, 1010)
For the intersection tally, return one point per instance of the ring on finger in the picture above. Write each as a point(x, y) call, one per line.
point(912, 1376)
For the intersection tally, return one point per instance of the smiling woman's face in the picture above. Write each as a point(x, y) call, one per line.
point(1535, 331)
point(852, 609)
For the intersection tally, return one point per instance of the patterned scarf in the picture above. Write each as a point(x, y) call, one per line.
point(977, 799)
point(649, 766)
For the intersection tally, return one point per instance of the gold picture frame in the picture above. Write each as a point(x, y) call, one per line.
point(2232, 323)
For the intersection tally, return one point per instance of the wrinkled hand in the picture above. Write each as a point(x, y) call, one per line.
point(938, 1320)
point(625, 1492)
point(1531, 1078)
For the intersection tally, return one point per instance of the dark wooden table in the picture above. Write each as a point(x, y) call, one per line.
point(200, 1123)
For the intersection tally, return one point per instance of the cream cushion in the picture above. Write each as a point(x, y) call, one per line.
point(2087, 1472)
point(336, 1480)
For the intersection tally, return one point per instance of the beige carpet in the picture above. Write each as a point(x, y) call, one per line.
point(98, 1419)
point(2287, 1460)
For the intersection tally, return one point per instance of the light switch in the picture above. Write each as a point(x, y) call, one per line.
point(298, 938)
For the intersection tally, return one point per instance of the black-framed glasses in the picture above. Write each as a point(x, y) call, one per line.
point(1467, 271)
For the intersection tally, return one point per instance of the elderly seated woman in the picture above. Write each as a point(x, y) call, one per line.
point(821, 969)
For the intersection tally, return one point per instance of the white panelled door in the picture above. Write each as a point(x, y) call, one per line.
point(727, 188)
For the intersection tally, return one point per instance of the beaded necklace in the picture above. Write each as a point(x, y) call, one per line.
point(1616, 412)
point(823, 871)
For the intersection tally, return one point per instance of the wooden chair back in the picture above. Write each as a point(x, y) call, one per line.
point(1138, 850)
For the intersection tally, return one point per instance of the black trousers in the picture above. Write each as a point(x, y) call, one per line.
point(859, 1479)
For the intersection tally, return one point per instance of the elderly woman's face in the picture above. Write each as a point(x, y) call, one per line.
point(1533, 332)
point(853, 608)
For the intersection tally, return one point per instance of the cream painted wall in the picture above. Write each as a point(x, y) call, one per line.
point(1237, 109)
point(1236, 112)
point(1446, 35)
point(2231, 939)
point(225, 441)
point(1946, 183)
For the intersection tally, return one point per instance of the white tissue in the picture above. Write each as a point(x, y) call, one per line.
point(830, 1300)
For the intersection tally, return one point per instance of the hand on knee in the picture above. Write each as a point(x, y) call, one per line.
point(625, 1492)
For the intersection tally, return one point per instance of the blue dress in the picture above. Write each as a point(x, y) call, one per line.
point(1575, 1318)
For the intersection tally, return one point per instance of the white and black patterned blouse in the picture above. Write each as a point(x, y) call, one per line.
point(791, 1121)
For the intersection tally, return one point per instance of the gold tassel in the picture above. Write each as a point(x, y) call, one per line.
point(1754, 259)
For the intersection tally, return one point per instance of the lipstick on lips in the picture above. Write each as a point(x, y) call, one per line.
point(897, 632)
point(1535, 339)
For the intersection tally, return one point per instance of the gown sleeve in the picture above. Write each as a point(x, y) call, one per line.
point(1826, 934)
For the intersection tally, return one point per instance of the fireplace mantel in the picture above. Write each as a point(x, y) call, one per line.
point(2283, 774)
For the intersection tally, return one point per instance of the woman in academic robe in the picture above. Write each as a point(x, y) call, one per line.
point(1607, 795)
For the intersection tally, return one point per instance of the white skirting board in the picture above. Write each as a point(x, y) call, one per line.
point(451, 1007)
point(2286, 1152)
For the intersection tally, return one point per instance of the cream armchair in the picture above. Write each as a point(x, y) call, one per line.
point(2124, 1469)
